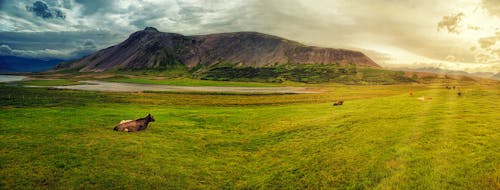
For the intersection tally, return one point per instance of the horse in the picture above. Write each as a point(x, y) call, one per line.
point(338, 103)
point(135, 125)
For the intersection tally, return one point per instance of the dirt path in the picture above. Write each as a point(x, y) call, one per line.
point(131, 87)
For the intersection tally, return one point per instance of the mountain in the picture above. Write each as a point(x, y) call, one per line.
point(497, 76)
point(14, 64)
point(490, 75)
point(432, 70)
point(151, 49)
point(483, 74)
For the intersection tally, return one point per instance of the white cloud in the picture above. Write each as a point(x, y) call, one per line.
point(43, 53)
point(451, 23)
point(5, 50)
point(493, 6)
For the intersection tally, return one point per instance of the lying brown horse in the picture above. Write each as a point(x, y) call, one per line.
point(338, 103)
point(135, 125)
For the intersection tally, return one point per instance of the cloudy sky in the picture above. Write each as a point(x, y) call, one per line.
point(447, 34)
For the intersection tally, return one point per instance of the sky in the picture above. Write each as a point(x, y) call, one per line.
point(448, 34)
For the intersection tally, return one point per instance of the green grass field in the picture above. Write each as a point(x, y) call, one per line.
point(51, 82)
point(381, 138)
point(189, 82)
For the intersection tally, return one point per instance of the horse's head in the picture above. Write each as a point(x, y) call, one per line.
point(150, 118)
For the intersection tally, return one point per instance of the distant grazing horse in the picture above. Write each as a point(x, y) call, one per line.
point(459, 93)
point(423, 98)
point(338, 103)
point(135, 125)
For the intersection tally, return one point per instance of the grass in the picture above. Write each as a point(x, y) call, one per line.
point(58, 79)
point(227, 74)
point(189, 82)
point(47, 82)
point(381, 138)
point(303, 73)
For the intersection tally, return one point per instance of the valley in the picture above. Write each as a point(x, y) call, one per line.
point(382, 137)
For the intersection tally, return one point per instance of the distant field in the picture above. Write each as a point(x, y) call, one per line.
point(381, 138)
point(281, 75)
point(47, 82)
point(190, 82)
point(139, 78)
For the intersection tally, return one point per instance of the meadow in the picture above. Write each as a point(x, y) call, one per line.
point(381, 138)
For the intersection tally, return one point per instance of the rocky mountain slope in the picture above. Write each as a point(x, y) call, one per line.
point(151, 49)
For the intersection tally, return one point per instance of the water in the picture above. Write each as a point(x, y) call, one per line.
point(11, 78)
point(131, 87)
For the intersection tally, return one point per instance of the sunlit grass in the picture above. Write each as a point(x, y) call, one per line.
point(381, 138)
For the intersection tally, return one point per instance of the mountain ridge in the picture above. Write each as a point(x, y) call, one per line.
point(152, 49)
point(17, 64)
point(488, 75)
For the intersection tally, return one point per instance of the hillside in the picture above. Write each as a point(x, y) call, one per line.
point(497, 76)
point(486, 75)
point(151, 49)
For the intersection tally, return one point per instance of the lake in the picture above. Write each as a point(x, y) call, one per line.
point(11, 78)
point(131, 87)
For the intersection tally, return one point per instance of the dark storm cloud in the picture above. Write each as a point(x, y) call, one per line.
point(191, 14)
point(54, 40)
point(34, 16)
point(85, 47)
point(70, 53)
point(65, 45)
point(88, 44)
point(124, 15)
point(40, 8)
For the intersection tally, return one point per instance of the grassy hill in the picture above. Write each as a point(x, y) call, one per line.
point(304, 73)
point(276, 74)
